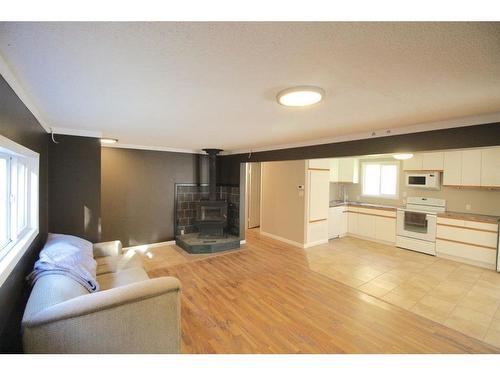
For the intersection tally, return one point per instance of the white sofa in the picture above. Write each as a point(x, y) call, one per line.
point(130, 314)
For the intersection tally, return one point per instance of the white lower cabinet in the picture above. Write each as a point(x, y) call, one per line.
point(466, 241)
point(470, 254)
point(385, 229)
point(366, 225)
point(352, 222)
point(372, 223)
point(337, 222)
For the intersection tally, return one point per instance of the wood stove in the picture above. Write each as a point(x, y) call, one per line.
point(211, 218)
point(211, 215)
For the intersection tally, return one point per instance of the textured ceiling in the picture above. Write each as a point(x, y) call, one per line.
point(194, 85)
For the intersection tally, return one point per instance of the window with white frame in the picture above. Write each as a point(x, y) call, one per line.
point(380, 179)
point(18, 202)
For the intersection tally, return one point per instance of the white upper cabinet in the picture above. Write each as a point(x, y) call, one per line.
point(429, 161)
point(474, 168)
point(432, 161)
point(413, 164)
point(490, 167)
point(344, 170)
point(348, 170)
point(319, 163)
point(471, 168)
point(334, 170)
point(452, 168)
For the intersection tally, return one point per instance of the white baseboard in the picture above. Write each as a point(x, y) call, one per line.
point(282, 239)
point(370, 239)
point(150, 245)
point(294, 243)
point(315, 243)
point(489, 266)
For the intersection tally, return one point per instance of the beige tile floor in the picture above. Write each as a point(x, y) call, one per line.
point(457, 295)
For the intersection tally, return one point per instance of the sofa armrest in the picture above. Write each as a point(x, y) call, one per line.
point(107, 249)
point(142, 317)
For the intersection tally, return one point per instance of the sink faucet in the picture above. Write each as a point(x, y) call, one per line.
point(343, 193)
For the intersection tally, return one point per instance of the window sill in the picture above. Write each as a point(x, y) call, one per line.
point(8, 263)
point(380, 196)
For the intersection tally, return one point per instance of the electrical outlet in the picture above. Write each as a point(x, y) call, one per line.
point(467, 206)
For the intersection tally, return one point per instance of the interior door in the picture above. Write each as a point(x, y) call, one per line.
point(254, 195)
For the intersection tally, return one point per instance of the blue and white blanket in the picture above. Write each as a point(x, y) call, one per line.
point(69, 256)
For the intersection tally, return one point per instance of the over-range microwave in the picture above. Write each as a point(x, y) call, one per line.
point(429, 180)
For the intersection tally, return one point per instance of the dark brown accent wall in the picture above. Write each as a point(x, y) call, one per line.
point(462, 137)
point(18, 124)
point(138, 195)
point(75, 186)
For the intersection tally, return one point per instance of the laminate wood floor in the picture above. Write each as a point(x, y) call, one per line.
point(266, 299)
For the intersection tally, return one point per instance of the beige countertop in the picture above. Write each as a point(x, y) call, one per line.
point(470, 216)
point(447, 214)
point(362, 204)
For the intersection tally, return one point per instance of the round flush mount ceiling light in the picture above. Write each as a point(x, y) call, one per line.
point(402, 156)
point(300, 96)
point(108, 141)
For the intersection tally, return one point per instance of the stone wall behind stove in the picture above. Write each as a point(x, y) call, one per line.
point(232, 195)
point(187, 197)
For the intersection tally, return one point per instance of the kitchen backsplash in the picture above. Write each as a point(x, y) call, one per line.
point(481, 201)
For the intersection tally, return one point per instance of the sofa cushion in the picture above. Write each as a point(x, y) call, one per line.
point(121, 278)
point(69, 256)
point(118, 263)
point(50, 290)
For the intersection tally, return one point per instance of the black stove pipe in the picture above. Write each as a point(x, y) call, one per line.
point(212, 171)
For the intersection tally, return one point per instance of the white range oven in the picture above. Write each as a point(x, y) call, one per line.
point(416, 224)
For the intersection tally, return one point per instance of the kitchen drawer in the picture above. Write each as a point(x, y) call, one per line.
point(374, 211)
point(480, 225)
point(377, 212)
point(352, 208)
point(444, 220)
point(469, 236)
point(473, 254)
